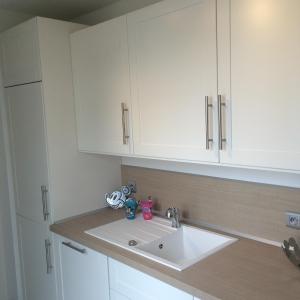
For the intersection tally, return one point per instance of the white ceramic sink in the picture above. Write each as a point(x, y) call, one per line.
point(158, 241)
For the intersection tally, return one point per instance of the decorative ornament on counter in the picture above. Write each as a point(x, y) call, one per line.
point(146, 206)
point(126, 190)
point(131, 206)
point(117, 198)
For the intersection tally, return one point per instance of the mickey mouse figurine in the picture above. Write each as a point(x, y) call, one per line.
point(123, 198)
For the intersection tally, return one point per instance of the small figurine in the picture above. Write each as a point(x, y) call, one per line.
point(126, 190)
point(131, 205)
point(116, 199)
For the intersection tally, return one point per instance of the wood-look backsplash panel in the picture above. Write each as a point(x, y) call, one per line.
point(250, 208)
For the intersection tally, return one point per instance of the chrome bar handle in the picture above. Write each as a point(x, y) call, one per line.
point(207, 106)
point(44, 191)
point(48, 256)
point(221, 138)
point(125, 135)
point(70, 245)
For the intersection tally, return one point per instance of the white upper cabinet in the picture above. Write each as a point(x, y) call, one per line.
point(102, 87)
point(173, 63)
point(261, 117)
point(211, 81)
point(20, 52)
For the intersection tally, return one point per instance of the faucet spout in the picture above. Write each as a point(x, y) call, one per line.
point(173, 213)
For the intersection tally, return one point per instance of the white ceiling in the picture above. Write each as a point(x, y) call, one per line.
point(59, 9)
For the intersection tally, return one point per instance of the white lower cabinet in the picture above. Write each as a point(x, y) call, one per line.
point(130, 284)
point(82, 273)
point(117, 296)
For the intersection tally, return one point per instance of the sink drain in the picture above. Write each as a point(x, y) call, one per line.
point(160, 246)
point(132, 243)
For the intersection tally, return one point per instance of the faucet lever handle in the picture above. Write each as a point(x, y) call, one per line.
point(171, 212)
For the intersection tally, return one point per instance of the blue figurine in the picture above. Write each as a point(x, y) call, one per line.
point(131, 205)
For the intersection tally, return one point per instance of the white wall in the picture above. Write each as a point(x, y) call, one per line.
point(8, 278)
point(116, 9)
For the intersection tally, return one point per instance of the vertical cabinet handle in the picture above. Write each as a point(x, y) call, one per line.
point(124, 123)
point(70, 245)
point(222, 139)
point(48, 256)
point(44, 191)
point(207, 107)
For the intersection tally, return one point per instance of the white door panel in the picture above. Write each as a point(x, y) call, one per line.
point(83, 273)
point(173, 63)
point(29, 148)
point(101, 83)
point(117, 296)
point(37, 282)
point(136, 285)
point(20, 54)
point(262, 117)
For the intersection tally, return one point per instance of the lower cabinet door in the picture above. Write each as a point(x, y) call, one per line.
point(127, 283)
point(117, 296)
point(82, 272)
point(36, 260)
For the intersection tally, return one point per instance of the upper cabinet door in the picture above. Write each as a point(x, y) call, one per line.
point(102, 87)
point(20, 54)
point(261, 116)
point(29, 149)
point(173, 61)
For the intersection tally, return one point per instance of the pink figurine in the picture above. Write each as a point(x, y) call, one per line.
point(146, 206)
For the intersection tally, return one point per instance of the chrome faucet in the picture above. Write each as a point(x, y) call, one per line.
point(173, 213)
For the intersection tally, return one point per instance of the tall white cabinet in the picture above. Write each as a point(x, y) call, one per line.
point(259, 49)
point(53, 180)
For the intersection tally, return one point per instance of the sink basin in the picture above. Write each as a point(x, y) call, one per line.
point(158, 241)
point(186, 246)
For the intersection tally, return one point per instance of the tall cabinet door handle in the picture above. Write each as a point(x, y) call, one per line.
point(49, 266)
point(207, 123)
point(222, 139)
point(124, 123)
point(44, 191)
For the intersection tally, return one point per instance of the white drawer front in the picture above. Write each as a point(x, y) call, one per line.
point(135, 285)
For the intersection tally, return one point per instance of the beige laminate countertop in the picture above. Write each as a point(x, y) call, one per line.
point(244, 270)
